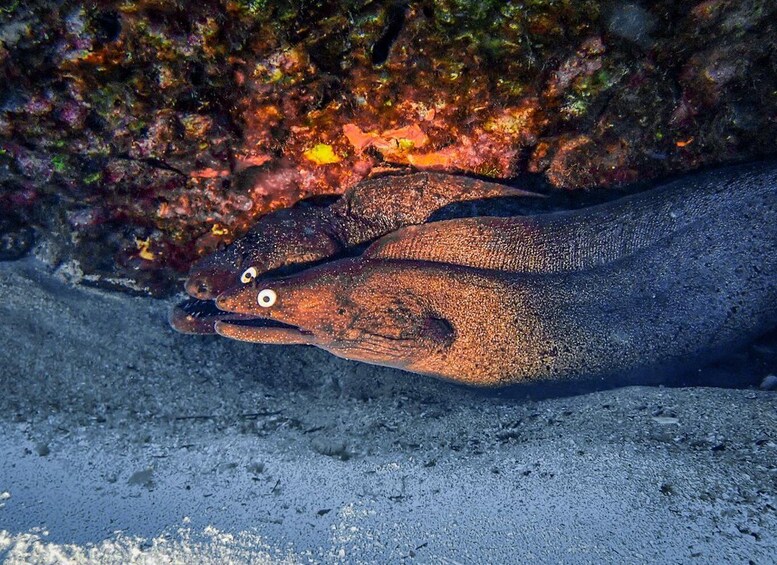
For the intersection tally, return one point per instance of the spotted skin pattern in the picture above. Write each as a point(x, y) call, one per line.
point(309, 233)
point(652, 283)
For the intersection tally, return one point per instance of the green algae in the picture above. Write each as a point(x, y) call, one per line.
point(59, 163)
point(11, 8)
point(93, 178)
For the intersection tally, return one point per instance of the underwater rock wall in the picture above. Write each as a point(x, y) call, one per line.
point(137, 136)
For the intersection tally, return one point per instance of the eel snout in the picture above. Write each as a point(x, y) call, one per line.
point(194, 316)
point(208, 284)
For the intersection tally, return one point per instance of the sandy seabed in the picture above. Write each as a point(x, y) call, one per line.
point(122, 441)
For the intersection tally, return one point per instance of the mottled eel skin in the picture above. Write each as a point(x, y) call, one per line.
point(653, 283)
point(309, 233)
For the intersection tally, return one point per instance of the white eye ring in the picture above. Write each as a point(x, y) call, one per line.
point(248, 275)
point(266, 298)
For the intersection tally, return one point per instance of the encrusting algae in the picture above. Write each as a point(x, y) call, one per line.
point(158, 121)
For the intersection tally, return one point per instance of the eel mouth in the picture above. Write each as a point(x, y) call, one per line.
point(194, 316)
point(201, 317)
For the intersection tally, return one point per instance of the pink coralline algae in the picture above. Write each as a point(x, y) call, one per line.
point(137, 136)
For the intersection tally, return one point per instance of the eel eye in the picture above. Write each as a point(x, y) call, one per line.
point(248, 275)
point(266, 298)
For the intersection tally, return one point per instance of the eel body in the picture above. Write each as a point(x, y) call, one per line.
point(653, 283)
point(308, 233)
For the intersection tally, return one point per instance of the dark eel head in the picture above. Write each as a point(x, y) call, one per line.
point(280, 239)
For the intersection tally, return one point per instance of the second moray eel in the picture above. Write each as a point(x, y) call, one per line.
point(653, 283)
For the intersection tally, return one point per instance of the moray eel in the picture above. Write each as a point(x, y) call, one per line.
point(309, 233)
point(650, 284)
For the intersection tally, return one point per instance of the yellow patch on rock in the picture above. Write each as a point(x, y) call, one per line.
point(321, 154)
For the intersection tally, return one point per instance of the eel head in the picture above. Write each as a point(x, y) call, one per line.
point(280, 239)
point(370, 311)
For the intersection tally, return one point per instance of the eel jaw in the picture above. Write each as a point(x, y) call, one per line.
point(260, 330)
point(201, 317)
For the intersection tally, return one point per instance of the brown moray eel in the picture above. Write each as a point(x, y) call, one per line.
point(309, 233)
point(650, 284)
